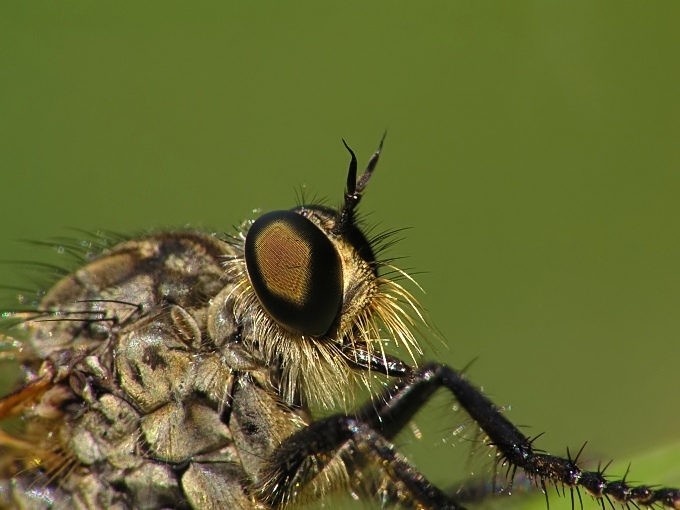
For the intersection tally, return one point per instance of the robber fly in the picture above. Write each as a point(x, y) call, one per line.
point(180, 370)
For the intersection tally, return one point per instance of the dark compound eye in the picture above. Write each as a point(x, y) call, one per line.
point(295, 271)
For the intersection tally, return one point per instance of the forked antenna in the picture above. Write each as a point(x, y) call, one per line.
point(355, 188)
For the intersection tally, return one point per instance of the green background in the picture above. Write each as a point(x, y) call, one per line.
point(532, 153)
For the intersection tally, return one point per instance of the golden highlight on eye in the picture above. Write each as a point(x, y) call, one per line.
point(284, 259)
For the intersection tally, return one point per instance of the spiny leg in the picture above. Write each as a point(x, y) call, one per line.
point(397, 406)
point(305, 454)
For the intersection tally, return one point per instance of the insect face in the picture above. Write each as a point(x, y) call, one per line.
point(308, 287)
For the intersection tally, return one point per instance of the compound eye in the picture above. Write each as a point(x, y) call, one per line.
point(295, 272)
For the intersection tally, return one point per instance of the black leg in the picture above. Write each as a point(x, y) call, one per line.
point(397, 407)
point(300, 458)
point(304, 455)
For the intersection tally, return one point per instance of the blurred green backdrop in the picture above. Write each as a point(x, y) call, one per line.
point(533, 149)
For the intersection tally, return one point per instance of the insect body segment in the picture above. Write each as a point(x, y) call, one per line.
point(182, 370)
